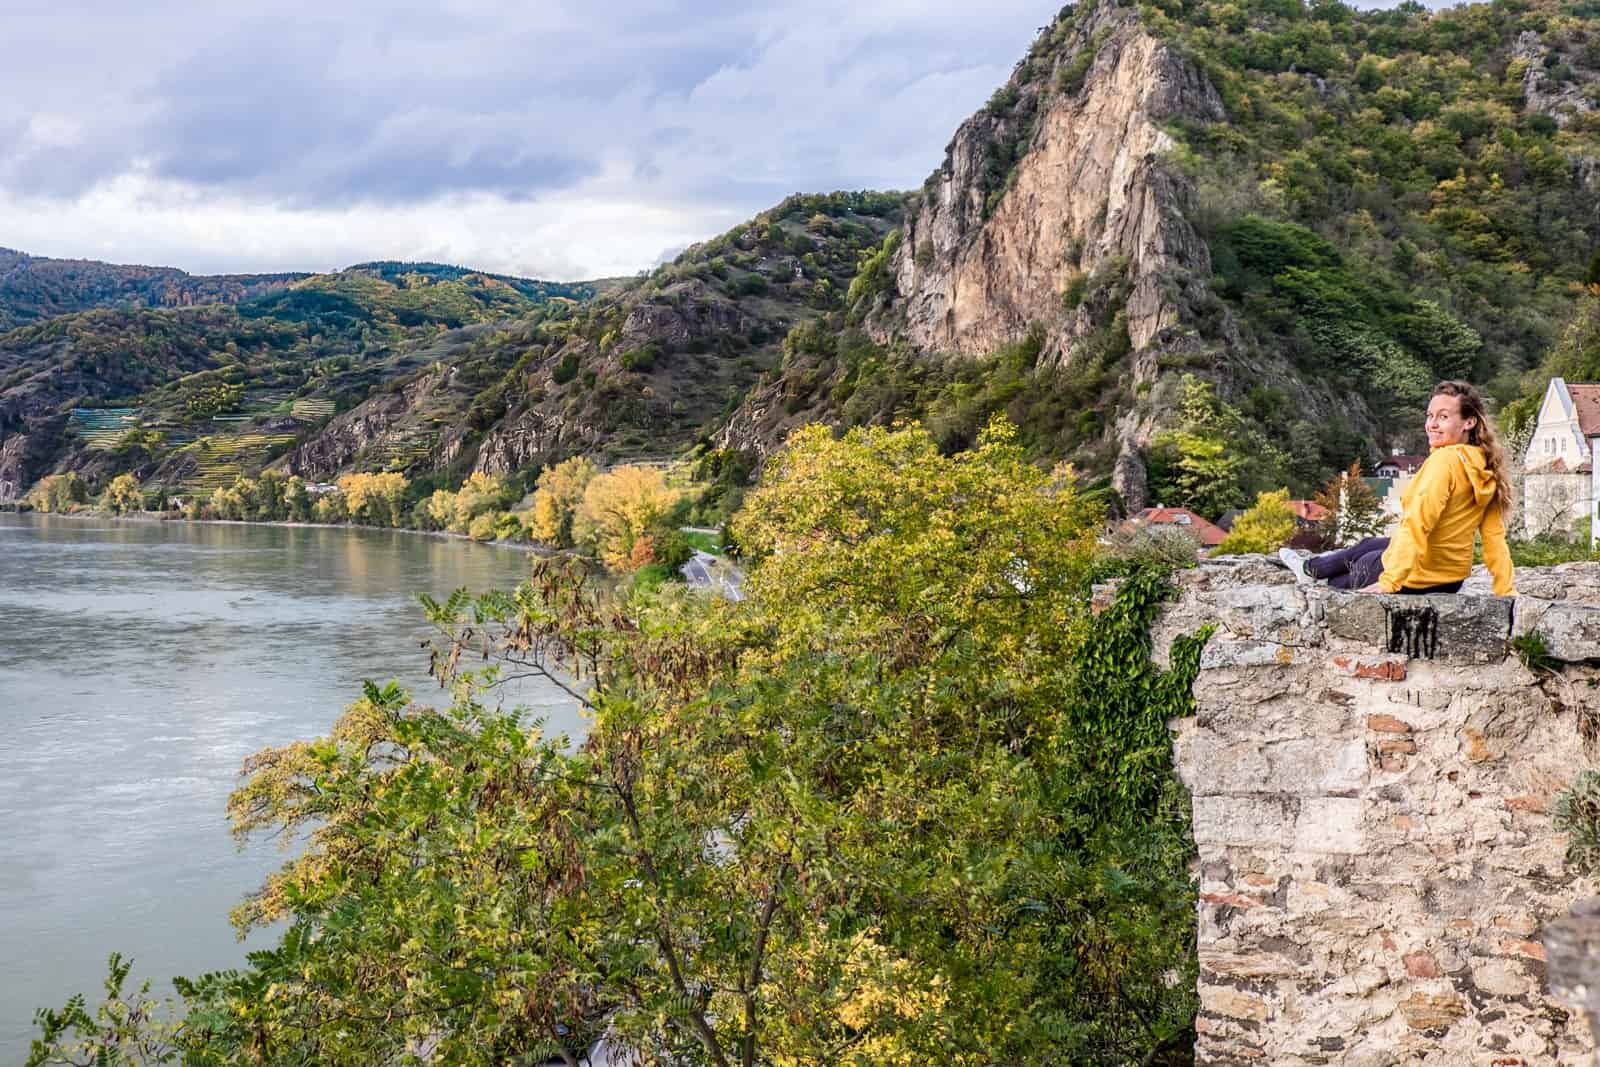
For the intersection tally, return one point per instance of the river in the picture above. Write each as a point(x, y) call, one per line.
point(140, 663)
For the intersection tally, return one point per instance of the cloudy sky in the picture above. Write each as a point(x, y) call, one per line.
point(552, 138)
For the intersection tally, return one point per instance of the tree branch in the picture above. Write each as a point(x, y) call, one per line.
point(753, 982)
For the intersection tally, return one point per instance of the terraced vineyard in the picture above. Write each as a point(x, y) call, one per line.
point(402, 450)
point(219, 460)
point(266, 402)
point(311, 409)
point(102, 428)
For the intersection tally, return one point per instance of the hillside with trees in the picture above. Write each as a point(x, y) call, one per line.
point(37, 287)
point(1182, 230)
point(181, 397)
point(1336, 209)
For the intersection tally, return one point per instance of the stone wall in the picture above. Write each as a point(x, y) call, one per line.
point(1371, 778)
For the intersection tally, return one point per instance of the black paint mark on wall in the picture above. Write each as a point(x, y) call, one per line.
point(1414, 631)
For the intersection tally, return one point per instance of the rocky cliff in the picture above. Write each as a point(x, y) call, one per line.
point(987, 258)
point(976, 270)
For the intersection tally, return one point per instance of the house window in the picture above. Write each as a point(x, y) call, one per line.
point(1181, 519)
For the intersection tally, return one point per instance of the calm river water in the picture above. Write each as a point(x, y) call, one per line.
point(140, 662)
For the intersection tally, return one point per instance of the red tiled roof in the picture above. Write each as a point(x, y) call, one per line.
point(1586, 405)
point(1209, 533)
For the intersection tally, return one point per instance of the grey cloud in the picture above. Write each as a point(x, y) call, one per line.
point(694, 107)
point(303, 106)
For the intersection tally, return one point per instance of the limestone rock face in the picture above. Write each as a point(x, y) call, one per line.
point(530, 437)
point(14, 455)
point(1091, 192)
point(1543, 93)
point(1377, 862)
point(1092, 186)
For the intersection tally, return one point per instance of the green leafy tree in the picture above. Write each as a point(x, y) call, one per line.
point(1214, 460)
point(271, 488)
point(1263, 527)
point(904, 802)
point(129, 1028)
point(296, 501)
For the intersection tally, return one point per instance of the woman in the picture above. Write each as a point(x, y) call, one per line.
point(1462, 489)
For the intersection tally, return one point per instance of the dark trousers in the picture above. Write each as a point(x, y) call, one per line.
point(1350, 568)
point(1359, 566)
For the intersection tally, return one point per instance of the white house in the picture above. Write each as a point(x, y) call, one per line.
point(1399, 465)
point(1558, 471)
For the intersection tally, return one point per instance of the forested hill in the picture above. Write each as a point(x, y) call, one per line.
point(1199, 247)
point(428, 369)
point(189, 397)
point(1214, 247)
point(35, 287)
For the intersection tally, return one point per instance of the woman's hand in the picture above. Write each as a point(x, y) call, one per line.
point(1373, 588)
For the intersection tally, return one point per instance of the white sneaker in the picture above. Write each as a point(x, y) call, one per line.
point(1296, 564)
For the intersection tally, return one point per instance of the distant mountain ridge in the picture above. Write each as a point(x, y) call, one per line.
point(38, 287)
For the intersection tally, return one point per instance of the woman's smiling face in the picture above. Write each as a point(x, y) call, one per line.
point(1444, 423)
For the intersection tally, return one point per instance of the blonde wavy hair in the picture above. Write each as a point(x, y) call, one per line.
point(1482, 434)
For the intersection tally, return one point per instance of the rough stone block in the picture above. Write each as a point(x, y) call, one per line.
point(1244, 821)
point(1267, 612)
point(1571, 632)
point(1432, 1011)
point(1245, 653)
point(1310, 765)
point(1232, 1003)
point(1461, 629)
point(1502, 978)
point(1421, 965)
point(1330, 824)
point(1251, 965)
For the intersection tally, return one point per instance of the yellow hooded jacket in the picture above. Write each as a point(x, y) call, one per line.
point(1450, 499)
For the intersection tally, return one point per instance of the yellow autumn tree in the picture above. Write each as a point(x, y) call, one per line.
point(556, 499)
point(479, 494)
point(1264, 526)
point(124, 495)
point(617, 508)
point(440, 509)
point(376, 499)
point(58, 492)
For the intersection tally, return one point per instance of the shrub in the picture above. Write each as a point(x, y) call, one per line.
point(639, 359)
point(1073, 294)
point(1161, 546)
point(1264, 527)
point(1576, 813)
point(565, 370)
